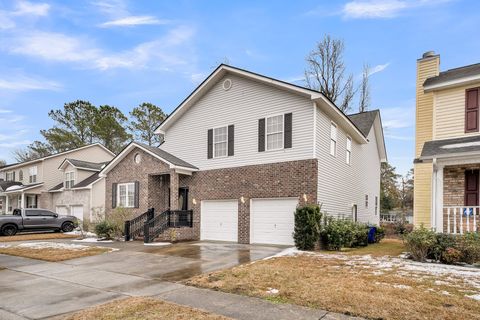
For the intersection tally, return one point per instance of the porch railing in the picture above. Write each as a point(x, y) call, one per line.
point(135, 226)
point(167, 219)
point(461, 219)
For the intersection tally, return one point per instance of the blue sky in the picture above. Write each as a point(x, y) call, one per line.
point(122, 53)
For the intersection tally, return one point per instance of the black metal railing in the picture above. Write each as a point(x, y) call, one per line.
point(167, 219)
point(135, 227)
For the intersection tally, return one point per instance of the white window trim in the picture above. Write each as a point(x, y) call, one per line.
point(9, 176)
point(348, 155)
point(32, 172)
point(335, 140)
point(214, 142)
point(66, 179)
point(127, 186)
point(282, 132)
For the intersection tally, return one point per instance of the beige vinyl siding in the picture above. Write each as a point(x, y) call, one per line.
point(341, 185)
point(450, 113)
point(98, 195)
point(242, 105)
point(53, 176)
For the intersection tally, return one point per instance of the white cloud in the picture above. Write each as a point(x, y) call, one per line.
point(197, 77)
point(383, 9)
point(28, 8)
point(378, 68)
point(22, 83)
point(133, 21)
point(398, 118)
point(399, 137)
point(167, 51)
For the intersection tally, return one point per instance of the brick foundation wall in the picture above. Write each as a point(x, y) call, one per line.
point(284, 179)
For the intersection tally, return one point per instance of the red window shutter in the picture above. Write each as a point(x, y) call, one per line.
point(471, 187)
point(471, 110)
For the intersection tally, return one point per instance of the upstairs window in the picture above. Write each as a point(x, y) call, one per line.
point(126, 195)
point(275, 132)
point(333, 139)
point(20, 175)
point(220, 141)
point(349, 150)
point(69, 180)
point(10, 176)
point(33, 174)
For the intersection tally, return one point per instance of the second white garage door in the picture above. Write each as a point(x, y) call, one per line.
point(77, 211)
point(272, 220)
point(219, 220)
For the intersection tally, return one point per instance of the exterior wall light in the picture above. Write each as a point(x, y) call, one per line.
point(242, 199)
point(194, 201)
point(305, 198)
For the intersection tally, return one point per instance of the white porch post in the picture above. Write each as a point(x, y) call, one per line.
point(433, 210)
point(22, 203)
point(439, 200)
point(7, 203)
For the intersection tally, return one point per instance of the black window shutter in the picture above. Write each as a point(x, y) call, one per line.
point(136, 202)
point(261, 135)
point(36, 201)
point(210, 144)
point(14, 176)
point(231, 142)
point(114, 195)
point(287, 141)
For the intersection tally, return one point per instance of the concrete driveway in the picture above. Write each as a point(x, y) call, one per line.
point(34, 289)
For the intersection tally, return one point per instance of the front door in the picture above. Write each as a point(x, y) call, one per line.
point(471, 188)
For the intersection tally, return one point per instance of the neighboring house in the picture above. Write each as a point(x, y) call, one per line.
point(447, 146)
point(242, 151)
point(67, 182)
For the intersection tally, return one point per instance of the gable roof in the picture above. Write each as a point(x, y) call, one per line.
point(454, 76)
point(85, 165)
point(364, 120)
point(173, 161)
point(57, 188)
point(21, 187)
point(223, 69)
point(88, 181)
point(450, 147)
point(20, 164)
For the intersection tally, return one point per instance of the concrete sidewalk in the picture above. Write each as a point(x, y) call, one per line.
point(32, 289)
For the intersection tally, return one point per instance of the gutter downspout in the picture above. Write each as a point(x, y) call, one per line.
point(433, 217)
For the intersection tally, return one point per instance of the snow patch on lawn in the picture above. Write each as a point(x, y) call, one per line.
point(272, 291)
point(475, 297)
point(79, 233)
point(289, 252)
point(53, 245)
point(157, 244)
point(92, 240)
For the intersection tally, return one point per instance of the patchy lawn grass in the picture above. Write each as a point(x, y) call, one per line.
point(142, 309)
point(37, 236)
point(372, 287)
point(388, 247)
point(51, 251)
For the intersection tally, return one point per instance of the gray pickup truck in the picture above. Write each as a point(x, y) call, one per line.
point(35, 219)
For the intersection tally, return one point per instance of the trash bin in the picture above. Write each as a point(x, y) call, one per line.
point(371, 234)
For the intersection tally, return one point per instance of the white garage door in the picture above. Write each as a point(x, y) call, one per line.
point(272, 220)
point(219, 220)
point(77, 211)
point(62, 210)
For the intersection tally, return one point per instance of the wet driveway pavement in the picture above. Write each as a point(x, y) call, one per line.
point(34, 289)
point(175, 262)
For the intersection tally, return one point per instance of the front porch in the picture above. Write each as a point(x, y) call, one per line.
point(455, 196)
point(20, 197)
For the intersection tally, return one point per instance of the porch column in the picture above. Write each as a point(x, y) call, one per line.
point(7, 203)
point(174, 182)
point(22, 203)
point(438, 199)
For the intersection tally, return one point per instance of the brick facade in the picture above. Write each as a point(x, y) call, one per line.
point(284, 179)
point(454, 192)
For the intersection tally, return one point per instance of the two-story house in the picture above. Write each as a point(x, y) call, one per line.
point(66, 182)
point(447, 146)
point(243, 150)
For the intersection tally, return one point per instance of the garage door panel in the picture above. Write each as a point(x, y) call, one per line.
point(272, 220)
point(219, 220)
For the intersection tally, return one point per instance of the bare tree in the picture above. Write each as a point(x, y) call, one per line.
point(325, 72)
point(364, 100)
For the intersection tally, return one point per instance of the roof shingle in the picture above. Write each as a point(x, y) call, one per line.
point(364, 120)
point(454, 74)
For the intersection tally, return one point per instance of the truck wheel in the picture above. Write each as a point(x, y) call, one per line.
point(68, 226)
point(9, 230)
